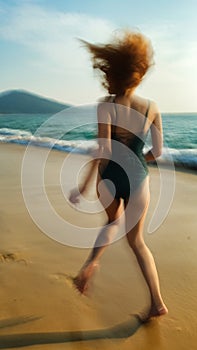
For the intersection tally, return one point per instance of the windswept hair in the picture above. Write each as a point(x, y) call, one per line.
point(123, 62)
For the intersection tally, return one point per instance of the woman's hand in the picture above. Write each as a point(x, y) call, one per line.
point(78, 191)
point(74, 196)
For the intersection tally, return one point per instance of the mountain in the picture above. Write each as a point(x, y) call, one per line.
point(21, 101)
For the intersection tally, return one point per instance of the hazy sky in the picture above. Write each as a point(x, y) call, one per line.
point(39, 51)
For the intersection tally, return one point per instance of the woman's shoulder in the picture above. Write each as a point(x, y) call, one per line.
point(145, 102)
point(141, 100)
point(105, 109)
point(107, 98)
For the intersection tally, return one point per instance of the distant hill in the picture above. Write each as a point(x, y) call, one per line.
point(19, 101)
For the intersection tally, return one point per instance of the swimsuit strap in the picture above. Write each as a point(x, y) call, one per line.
point(115, 114)
point(146, 114)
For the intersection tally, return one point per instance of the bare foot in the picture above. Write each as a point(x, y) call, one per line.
point(153, 312)
point(81, 281)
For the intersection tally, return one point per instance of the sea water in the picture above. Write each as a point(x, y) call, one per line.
point(75, 130)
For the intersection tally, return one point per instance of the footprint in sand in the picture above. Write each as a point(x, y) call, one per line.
point(69, 281)
point(63, 277)
point(11, 257)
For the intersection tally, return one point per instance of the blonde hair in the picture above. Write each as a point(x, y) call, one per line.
point(123, 62)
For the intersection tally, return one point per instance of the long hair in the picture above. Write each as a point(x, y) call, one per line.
point(123, 62)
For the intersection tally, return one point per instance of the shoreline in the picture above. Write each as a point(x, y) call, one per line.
point(39, 305)
point(177, 168)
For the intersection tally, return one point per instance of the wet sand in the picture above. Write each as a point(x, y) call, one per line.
point(39, 307)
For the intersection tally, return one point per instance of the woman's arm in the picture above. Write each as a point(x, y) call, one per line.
point(103, 152)
point(156, 136)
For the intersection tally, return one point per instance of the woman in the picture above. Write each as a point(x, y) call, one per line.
point(124, 120)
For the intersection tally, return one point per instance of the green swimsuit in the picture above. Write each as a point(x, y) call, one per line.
point(127, 167)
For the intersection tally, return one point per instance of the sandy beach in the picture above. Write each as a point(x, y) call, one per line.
point(40, 309)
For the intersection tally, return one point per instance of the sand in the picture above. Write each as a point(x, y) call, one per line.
point(39, 307)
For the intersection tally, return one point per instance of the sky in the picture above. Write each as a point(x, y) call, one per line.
point(39, 50)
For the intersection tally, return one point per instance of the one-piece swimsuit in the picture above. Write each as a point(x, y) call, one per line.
point(127, 167)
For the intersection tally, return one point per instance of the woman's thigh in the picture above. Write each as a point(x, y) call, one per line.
point(112, 206)
point(136, 206)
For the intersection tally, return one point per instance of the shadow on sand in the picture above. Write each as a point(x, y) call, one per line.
point(122, 330)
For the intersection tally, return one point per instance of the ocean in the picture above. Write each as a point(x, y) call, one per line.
point(75, 130)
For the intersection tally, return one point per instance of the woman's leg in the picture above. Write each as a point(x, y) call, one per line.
point(139, 204)
point(105, 237)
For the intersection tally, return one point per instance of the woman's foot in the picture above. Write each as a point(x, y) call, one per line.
point(81, 281)
point(154, 311)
